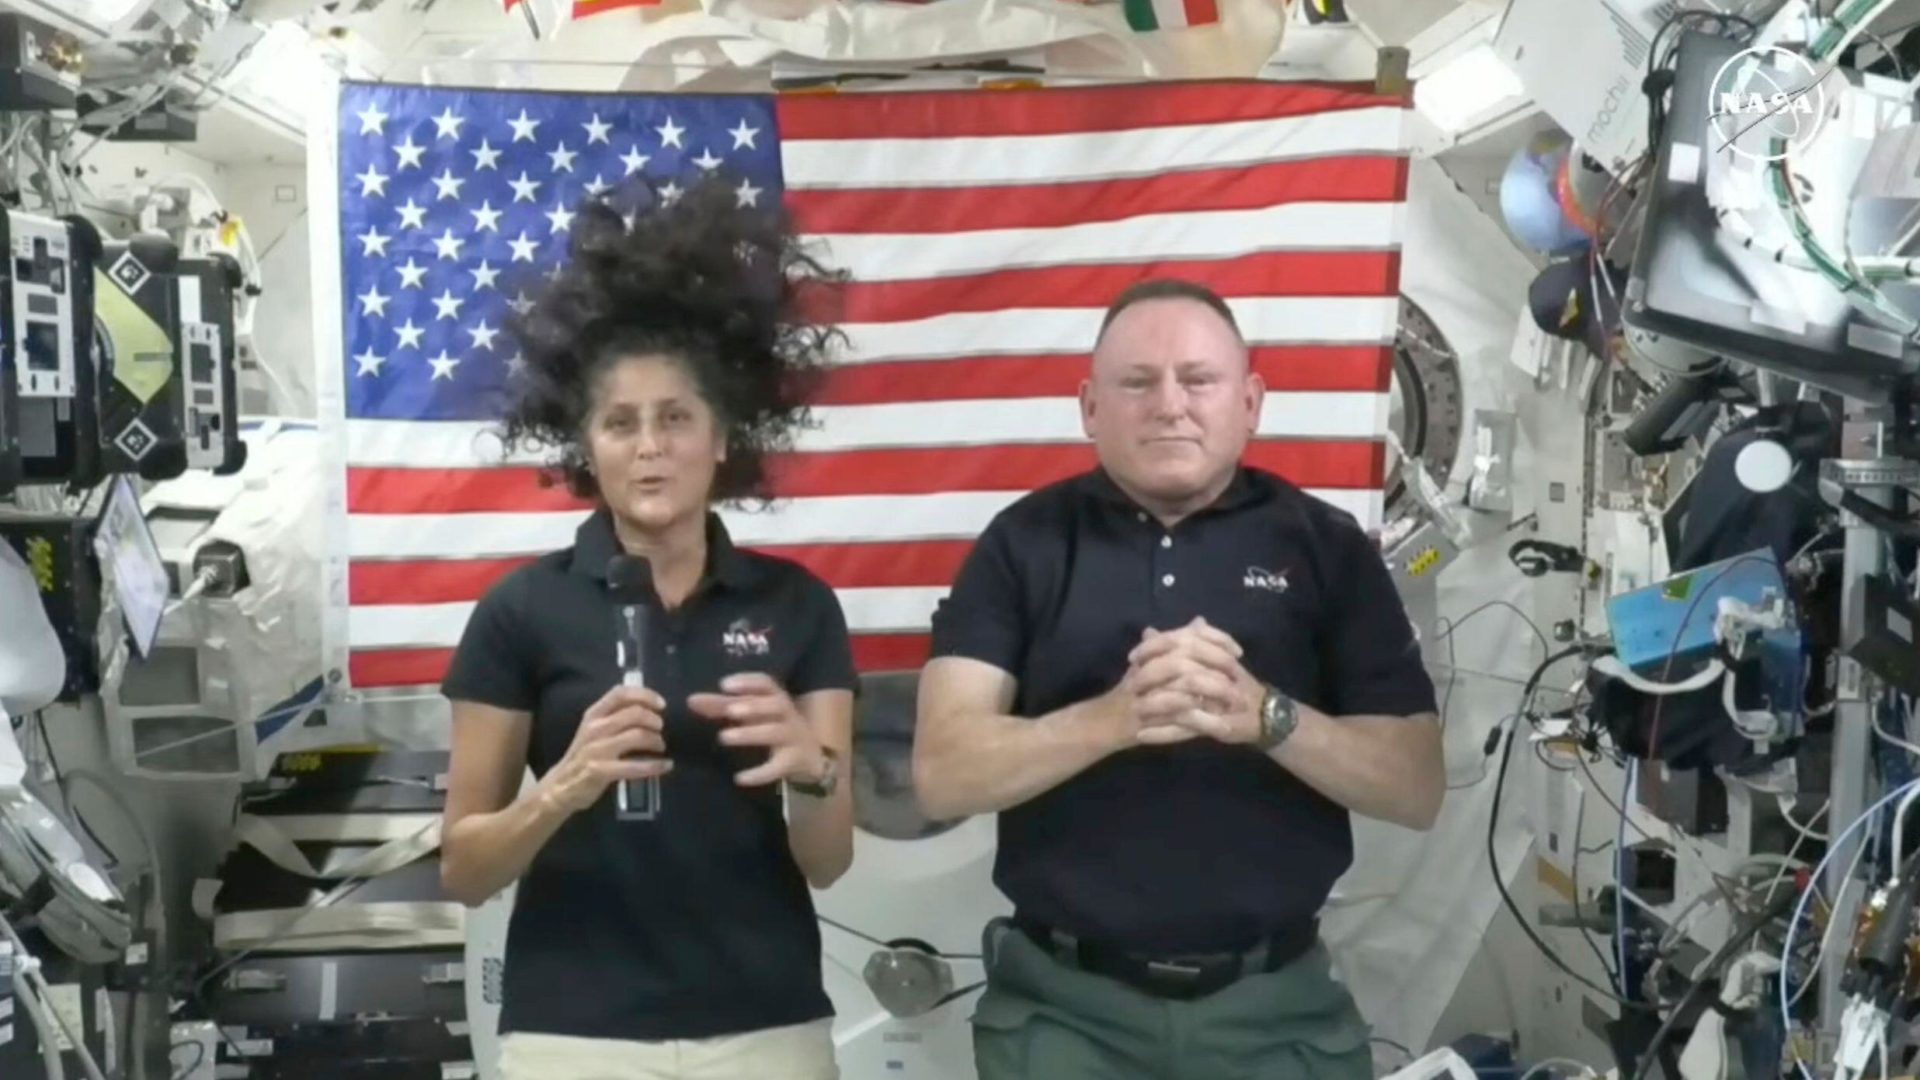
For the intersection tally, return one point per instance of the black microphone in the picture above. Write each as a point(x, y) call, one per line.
point(630, 579)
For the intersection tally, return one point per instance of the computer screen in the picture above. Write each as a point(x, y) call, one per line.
point(132, 563)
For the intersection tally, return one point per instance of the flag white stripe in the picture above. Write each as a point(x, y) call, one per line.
point(827, 519)
point(459, 445)
point(1212, 234)
point(401, 626)
point(1169, 14)
point(971, 161)
point(1347, 320)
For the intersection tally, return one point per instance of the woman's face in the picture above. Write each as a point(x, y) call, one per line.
point(653, 441)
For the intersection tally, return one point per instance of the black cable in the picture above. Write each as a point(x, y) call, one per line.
point(199, 1058)
point(1579, 828)
point(1493, 859)
point(66, 799)
point(1703, 979)
point(1453, 664)
point(871, 940)
point(1391, 1045)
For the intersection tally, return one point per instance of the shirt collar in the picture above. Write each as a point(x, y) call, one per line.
point(595, 545)
point(1245, 488)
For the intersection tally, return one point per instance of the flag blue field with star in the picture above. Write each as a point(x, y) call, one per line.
point(454, 202)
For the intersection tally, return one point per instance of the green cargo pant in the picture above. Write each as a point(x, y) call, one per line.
point(1041, 1019)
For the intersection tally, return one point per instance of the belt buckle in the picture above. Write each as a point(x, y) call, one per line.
point(1176, 978)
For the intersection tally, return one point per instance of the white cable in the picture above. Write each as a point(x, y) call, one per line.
point(1540, 1067)
point(1900, 829)
point(39, 1015)
point(1890, 739)
point(1755, 724)
point(1857, 28)
point(38, 984)
point(1612, 667)
point(1806, 831)
point(1800, 911)
point(1833, 908)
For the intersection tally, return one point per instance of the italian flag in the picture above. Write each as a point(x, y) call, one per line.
point(1149, 15)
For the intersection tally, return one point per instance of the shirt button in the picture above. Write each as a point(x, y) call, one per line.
point(1140, 515)
point(1166, 579)
point(671, 649)
point(1166, 541)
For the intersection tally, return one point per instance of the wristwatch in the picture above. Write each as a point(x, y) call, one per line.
point(829, 777)
point(1278, 717)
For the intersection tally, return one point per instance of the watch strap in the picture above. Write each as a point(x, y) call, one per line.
point(829, 776)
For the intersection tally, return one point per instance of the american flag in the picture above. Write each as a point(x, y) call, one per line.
point(984, 232)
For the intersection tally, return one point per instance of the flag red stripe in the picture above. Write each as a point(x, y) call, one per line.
point(370, 669)
point(1039, 206)
point(455, 491)
point(379, 669)
point(890, 652)
point(425, 581)
point(1267, 274)
point(951, 114)
point(1285, 368)
point(1337, 464)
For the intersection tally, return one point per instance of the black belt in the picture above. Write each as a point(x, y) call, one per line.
point(1182, 977)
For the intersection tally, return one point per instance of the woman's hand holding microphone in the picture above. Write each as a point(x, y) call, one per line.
point(626, 720)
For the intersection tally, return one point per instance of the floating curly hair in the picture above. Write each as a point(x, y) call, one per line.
point(698, 279)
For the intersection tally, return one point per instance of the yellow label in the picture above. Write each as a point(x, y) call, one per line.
point(1423, 562)
point(40, 561)
point(142, 352)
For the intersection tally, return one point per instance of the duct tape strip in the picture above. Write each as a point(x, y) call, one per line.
point(329, 990)
point(1874, 339)
point(1683, 164)
point(345, 828)
point(385, 926)
point(407, 837)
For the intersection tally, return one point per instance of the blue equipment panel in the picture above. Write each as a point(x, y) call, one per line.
point(1672, 620)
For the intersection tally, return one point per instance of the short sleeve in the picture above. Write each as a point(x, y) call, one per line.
point(492, 665)
point(1370, 658)
point(827, 661)
point(983, 617)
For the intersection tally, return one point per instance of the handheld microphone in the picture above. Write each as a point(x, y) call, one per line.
point(630, 579)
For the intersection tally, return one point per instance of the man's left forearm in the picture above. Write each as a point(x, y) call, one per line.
point(1384, 767)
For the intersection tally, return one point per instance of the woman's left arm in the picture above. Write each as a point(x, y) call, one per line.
point(820, 827)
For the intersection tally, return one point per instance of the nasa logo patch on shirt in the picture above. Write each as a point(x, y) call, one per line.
point(1257, 578)
point(741, 638)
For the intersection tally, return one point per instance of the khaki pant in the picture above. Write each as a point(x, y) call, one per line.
point(1040, 1019)
point(801, 1052)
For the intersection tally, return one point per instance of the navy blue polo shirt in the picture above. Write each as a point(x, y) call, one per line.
point(1199, 846)
point(698, 923)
